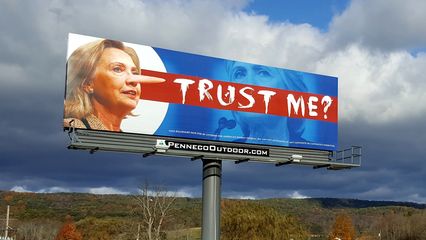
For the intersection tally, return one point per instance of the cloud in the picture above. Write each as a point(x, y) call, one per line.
point(181, 192)
point(372, 82)
point(19, 189)
point(187, 192)
point(43, 190)
point(297, 195)
point(53, 190)
point(105, 190)
point(377, 87)
point(245, 197)
point(380, 93)
point(382, 24)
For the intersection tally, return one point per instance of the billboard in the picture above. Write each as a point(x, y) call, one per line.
point(132, 88)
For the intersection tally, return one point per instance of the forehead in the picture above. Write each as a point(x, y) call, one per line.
point(112, 55)
point(252, 66)
point(255, 67)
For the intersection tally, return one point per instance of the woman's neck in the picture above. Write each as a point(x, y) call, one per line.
point(111, 120)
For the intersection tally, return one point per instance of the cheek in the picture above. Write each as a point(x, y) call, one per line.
point(241, 80)
point(106, 89)
point(117, 82)
point(108, 82)
point(273, 82)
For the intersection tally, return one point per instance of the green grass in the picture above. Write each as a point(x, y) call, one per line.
point(185, 234)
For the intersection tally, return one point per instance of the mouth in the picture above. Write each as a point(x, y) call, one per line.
point(130, 93)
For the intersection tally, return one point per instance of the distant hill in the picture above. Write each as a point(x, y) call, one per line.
point(81, 205)
point(356, 203)
point(333, 203)
point(104, 211)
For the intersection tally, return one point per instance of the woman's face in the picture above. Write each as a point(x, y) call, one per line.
point(251, 74)
point(246, 73)
point(114, 83)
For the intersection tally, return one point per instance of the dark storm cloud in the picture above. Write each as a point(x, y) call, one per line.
point(393, 168)
point(33, 147)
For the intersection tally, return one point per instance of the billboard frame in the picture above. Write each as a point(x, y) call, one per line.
point(147, 145)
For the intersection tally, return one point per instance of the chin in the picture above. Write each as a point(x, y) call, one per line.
point(128, 106)
point(131, 103)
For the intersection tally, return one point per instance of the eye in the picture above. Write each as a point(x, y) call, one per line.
point(118, 69)
point(264, 73)
point(239, 73)
point(135, 71)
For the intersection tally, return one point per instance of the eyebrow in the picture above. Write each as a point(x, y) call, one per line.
point(122, 64)
point(115, 63)
point(257, 67)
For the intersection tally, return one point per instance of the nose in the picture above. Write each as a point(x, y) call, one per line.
point(251, 77)
point(133, 80)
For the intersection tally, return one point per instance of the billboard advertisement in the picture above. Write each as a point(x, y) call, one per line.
point(123, 87)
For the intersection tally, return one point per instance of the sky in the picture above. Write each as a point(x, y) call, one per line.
point(377, 49)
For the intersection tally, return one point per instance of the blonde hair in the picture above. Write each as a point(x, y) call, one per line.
point(81, 66)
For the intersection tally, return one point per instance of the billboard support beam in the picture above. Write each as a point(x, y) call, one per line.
point(197, 157)
point(242, 161)
point(149, 154)
point(283, 163)
point(321, 166)
point(212, 172)
point(93, 150)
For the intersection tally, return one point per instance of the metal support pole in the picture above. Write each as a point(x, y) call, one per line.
point(212, 172)
point(6, 231)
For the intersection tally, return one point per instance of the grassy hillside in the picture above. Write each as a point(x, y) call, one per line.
point(119, 216)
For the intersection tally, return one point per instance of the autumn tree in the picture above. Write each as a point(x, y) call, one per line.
point(343, 228)
point(154, 204)
point(399, 225)
point(105, 228)
point(68, 231)
point(38, 230)
point(247, 220)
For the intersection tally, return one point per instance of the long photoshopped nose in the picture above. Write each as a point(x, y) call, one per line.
point(133, 80)
point(136, 79)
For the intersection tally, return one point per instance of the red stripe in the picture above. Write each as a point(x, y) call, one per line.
point(170, 91)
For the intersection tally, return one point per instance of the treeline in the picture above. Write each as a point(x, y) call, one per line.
point(41, 216)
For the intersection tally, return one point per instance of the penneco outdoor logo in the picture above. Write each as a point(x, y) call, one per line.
point(214, 148)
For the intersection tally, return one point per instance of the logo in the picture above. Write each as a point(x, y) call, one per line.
point(215, 148)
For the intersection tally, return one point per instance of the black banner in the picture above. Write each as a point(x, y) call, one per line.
point(214, 148)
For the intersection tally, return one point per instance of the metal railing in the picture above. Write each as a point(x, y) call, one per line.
point(145, 145)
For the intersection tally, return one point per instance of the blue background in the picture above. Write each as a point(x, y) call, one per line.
point(202, 120)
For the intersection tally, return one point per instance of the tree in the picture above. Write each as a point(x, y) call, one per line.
point(155, 204)
point(38, 230)
point(402, 226)
point(246, 220)
point(343, 228)
point(68, 231)
point(105, 228)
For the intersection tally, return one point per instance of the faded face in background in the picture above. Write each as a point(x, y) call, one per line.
point(246, 73)
point(114, 84)
point(252, 74)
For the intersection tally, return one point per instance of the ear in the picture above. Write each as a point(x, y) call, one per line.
point(88, 88)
